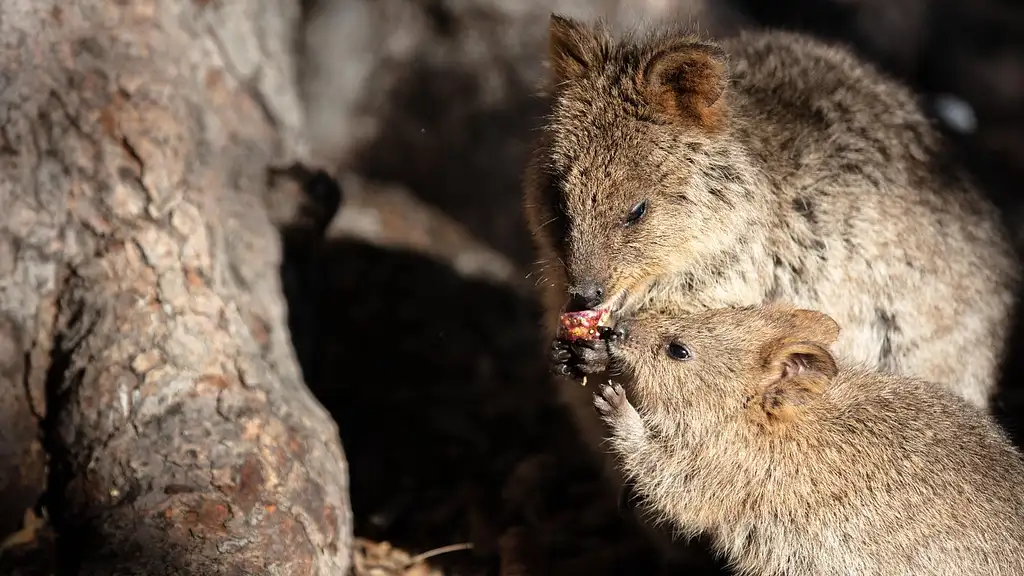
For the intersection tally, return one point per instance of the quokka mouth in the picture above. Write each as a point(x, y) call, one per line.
point(629, 298)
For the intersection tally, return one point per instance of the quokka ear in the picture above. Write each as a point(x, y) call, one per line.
point(796, 373)
point(813, 326)
point(685, 83)
point(573, 48)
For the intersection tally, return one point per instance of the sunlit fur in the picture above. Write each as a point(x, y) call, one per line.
point(822, 472)
point(812, 179)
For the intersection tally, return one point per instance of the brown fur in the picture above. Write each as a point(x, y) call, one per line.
point(775, 167)
point(794, 464)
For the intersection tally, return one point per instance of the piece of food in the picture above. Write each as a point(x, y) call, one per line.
point(583, 325)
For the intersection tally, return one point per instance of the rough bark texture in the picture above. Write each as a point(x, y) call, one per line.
point(142, 326)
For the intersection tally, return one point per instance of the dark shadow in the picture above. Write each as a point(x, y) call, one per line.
point(448, 418)
point(70, 541)
point(302, 271)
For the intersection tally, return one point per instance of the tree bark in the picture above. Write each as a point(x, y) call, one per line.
point(142, 326)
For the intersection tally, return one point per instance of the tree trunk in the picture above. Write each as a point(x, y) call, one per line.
point(142, 326)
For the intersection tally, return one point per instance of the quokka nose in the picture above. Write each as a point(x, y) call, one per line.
point(586, 295)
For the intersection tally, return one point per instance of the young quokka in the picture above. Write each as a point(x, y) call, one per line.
point(744, 427)
point(699, 175)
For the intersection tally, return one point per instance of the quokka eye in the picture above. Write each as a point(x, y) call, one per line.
point(677, 351)
point(636, 213)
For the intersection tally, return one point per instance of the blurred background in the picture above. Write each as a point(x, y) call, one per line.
point(415, 321)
